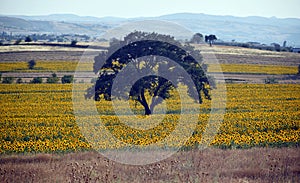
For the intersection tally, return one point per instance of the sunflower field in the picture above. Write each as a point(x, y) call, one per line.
point(40, 118)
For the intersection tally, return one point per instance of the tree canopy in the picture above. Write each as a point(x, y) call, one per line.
point(142, 52)
point(197, 38)
point(210, 39)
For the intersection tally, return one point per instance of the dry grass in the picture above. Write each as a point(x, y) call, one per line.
point(237, 55)
point(210, 165)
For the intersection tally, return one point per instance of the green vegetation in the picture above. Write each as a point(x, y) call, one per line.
point(36, 80)
point(31, 64)
point(8, 80)
point(19, 81)
point(157, 87)
point(73, 42)
point(28, 39)
point(271, 80)
point(67, 79)
point(53, 79)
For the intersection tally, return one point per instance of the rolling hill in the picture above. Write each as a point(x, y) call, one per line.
point(227, 28)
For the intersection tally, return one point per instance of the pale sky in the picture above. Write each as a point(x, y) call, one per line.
point(139, 8)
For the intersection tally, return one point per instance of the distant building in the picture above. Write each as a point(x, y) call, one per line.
point(296, 50)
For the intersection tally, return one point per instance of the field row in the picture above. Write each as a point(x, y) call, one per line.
point(254, 69)
point(70, 66)
point(46, 66)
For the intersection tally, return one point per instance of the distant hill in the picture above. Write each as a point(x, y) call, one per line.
point(27, 26)
point(71, 18)
point(244, 29)
point(227, 28)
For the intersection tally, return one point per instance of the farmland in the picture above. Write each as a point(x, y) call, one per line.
point(261, 123)
point(40, 118)
point(70, 66)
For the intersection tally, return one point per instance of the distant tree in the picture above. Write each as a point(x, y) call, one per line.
point(18, 41)
point(31, 64)
point(59, 39)
point(53, 79)
point(19, 81)
point(299, 69)
point(0, 76)
point(36, 80)
point(51, 39)
point(210, 39)
point(73, 42)
point(276, 46)
point(139, 44)
point(67, 79)
point(197, 38)
point(284, 44)
point(28, 39)
point(35, 37)
point(8, 80)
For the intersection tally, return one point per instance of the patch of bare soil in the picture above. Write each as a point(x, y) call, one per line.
point(256, 78)
point(289, 60)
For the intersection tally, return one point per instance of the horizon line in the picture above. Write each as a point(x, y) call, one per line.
point(110, 16)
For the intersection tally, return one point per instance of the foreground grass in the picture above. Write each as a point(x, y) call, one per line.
point(209, 165)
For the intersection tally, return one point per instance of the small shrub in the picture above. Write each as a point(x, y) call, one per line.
point(67, 79)
point(245, 45)
point(53, 79)
point(8, 80)
point(19, 81)
point(94, 80)
point(60, 40)
point(271, 80)
point(73, 42)
point(31, 64)
point(36, 80)
point(18, 41)
point(28, 39)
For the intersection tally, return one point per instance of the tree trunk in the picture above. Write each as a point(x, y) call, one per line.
point(143, 101)
point(147, 110)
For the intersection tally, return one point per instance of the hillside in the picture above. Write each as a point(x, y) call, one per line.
point(22, 26)
point(227, 28)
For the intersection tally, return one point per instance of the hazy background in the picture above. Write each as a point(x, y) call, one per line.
point(264, 21)
point(139, 8)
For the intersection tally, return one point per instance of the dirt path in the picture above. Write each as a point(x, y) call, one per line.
point(256, 78)
point(230, 78)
